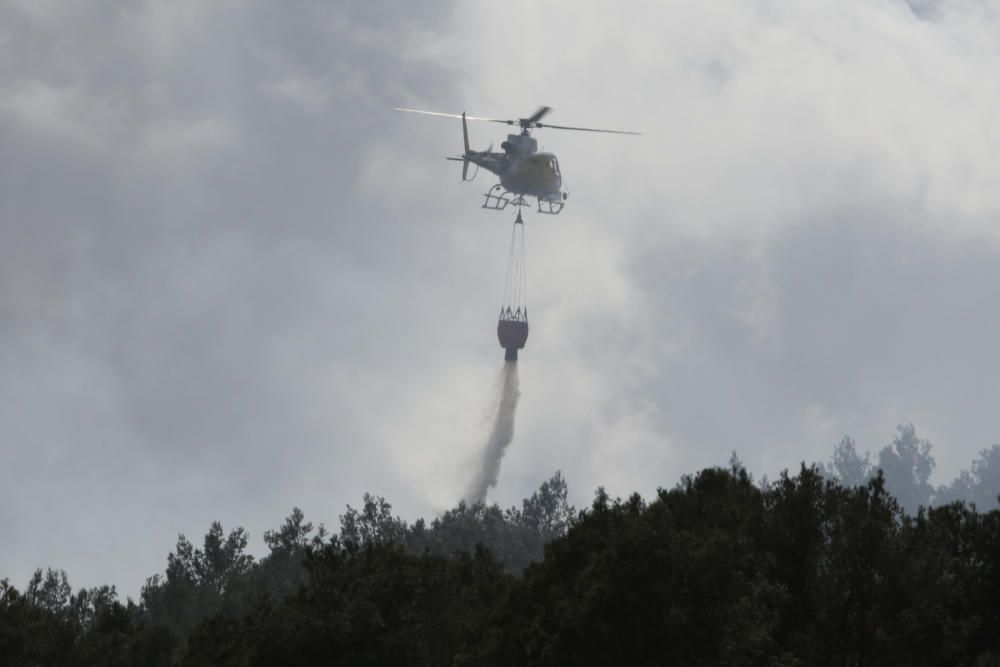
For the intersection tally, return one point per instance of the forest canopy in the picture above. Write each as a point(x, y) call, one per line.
point(853, 561)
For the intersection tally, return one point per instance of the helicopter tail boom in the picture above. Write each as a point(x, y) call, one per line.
point(486, 159)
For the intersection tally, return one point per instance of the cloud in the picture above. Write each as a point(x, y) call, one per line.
point(802, 232)
point(49, 113)
point(232, 281)
point(190, 292)
point(311, 95)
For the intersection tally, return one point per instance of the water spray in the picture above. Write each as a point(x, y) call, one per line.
point(512, 332)
point(506, 393)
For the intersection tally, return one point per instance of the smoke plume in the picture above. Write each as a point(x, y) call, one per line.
point(501, 433)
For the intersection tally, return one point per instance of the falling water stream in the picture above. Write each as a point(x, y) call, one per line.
point(501, 433)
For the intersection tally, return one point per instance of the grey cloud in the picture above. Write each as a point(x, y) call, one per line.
point(925, 9)
point(231, 281)
point(868, 316)
point(189, 282)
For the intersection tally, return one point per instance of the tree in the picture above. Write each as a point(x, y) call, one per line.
point(200, 583)
point(516, 536)
point(33, 628)
point(379, 604)
point(716, 570)
point(223, 559)
point(374, 524)
point(281, 572)
point(847, 466)
point(294, 535)
point(960, 490)
point(980, 485)
point(677, 581)
point(907, 464)
point(832, 550)
point(986, 479)
point(459, 530)
point(49, 625)
point(548, 512)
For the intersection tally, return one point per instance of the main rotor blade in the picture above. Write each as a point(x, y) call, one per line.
point(585, 129)
point(448, 115)
point(538, 115)
point(532, 121)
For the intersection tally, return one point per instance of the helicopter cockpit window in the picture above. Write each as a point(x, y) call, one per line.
point(554, 164)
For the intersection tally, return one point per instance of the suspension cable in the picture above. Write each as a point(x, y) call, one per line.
point(515, 281)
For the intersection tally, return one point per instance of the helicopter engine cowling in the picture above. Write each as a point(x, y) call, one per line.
point(520, 144)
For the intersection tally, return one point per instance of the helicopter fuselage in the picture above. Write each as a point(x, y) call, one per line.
point(522, 170)
point(533, 174)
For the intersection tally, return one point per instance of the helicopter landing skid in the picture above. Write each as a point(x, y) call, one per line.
point(497, 199)
point(550, 206)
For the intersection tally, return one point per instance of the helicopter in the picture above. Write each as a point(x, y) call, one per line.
point(523, 171)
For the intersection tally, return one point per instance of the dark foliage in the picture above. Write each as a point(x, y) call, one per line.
point(716, 571)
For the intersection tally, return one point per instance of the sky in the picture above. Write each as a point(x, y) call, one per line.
point(233, 281)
